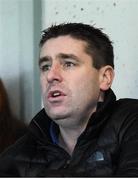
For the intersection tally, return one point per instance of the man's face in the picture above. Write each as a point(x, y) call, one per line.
point(69, 82)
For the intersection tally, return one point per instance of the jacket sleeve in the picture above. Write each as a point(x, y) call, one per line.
point(128, 151)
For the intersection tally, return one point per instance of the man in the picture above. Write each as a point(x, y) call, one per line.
point(82, 130)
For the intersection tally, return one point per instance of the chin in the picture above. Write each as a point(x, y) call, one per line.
point(58, 116)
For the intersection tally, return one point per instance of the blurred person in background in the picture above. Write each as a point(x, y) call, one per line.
point(10, 127)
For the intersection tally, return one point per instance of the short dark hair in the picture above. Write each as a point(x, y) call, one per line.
point(99, 45)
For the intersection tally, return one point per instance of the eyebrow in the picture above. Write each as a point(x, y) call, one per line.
point(60, 56)
point(67, 56)
point(44, 59)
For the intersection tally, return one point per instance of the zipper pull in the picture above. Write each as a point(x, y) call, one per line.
point(66, 164)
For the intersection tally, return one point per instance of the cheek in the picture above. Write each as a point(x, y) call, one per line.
point(84, 88)
point(78, 87)
point(43, 84)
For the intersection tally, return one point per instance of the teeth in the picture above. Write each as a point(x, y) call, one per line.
point(56, 94)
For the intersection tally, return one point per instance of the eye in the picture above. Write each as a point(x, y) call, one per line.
point(45, 67)
point(69, 64)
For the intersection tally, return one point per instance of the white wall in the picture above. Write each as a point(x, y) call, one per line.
point(19, 28)
point(118, 18)
point(9, 50)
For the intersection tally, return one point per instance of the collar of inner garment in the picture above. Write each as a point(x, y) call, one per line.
point(54, 132)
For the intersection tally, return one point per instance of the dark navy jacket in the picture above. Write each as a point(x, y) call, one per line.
point(108, 146)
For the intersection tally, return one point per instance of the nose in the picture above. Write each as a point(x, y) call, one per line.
point(54, 74)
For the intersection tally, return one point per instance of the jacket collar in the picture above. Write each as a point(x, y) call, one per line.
point(40, 125)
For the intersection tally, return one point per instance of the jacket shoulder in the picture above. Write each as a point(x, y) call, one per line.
point(124, 118)
point(128, 103)
point(126, 128)
point(125, 108)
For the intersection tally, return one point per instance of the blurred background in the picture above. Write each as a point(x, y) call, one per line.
point(21, 22)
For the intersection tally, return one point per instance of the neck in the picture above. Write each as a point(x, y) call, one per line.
point(71, 129)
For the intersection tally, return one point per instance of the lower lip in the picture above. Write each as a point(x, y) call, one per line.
point(56, 99)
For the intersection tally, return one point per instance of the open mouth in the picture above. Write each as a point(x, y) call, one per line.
point(55, 94)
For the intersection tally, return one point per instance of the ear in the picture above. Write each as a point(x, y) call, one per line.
point(106, 77)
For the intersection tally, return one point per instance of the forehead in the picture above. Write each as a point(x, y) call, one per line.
point(64, 44)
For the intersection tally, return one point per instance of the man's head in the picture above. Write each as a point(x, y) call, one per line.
point(99, 46)
point(75, 71)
